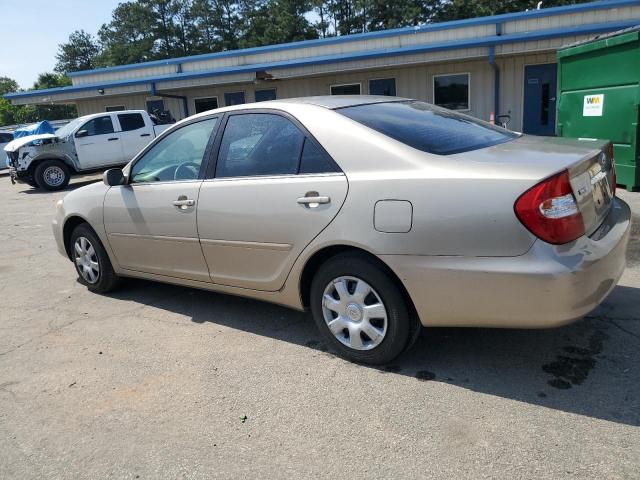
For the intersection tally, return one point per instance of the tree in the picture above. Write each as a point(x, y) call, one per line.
point(128, 37)
point(17, 114)
point(279, 21)
point(7, 111)
point(79, 53)
point(383, 15)
point(8, 85)
point(461, 9)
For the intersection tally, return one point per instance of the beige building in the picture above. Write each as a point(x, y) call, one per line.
point(501, 65)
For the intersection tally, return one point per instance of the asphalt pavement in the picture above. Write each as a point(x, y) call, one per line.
point(157, 381)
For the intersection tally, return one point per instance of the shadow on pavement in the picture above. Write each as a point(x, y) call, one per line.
point(29, 190)
point(588, 368)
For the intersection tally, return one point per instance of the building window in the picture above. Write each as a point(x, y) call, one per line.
point(265, 95)
point(349, 89)
point(383, 86)
point(233, 98)
point(205, 104)
point(451, 91)
point(114, 108)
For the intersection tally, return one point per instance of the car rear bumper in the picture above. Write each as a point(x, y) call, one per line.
point(549, 286)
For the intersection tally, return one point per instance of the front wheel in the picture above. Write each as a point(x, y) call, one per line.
point(52, 175)
point(360, 310)
point(91, 260)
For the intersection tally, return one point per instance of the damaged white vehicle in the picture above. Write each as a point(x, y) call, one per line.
point(89, 143)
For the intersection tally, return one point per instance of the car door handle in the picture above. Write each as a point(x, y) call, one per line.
point(183, 202)
point(112, 139)
point(145, 134)
point(313, 201)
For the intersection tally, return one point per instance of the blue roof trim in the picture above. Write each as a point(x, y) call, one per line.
point(599, 5)
point(340, 58)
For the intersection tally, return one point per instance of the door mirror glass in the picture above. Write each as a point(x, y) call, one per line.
point(81, 133)
point(113, 177)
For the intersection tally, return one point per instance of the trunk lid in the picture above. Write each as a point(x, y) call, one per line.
point(588, 161)
point(593, 184)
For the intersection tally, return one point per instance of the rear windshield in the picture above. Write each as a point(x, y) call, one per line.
point(427, 127)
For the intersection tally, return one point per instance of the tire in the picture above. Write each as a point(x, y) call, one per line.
point(52, 175)
point(357, 341)
point(91, 260)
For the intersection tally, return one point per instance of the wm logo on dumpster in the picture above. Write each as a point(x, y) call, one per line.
point(593, 105)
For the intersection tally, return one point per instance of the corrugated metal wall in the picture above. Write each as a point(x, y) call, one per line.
point(129, 102)
point(413, 73)
point(411, 81)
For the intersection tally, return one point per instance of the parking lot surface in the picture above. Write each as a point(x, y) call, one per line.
point(158, 381)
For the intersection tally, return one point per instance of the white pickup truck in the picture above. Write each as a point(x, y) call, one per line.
point(89, 143)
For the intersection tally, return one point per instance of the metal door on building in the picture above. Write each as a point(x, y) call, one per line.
point(540, 85)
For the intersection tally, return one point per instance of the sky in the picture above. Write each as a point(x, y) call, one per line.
point(31, 30)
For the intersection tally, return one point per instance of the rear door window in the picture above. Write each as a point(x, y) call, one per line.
point(130, 121)
point(259, 144)
point(427, 127)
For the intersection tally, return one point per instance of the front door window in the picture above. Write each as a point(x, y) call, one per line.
point(178, 156)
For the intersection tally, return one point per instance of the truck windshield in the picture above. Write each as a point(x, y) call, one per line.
point(68, 128)
point(428, 128)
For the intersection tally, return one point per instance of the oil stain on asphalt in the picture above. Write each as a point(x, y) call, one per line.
point(574, 368)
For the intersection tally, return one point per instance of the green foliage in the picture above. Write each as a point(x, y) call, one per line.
point(7, 85)
point(79, 53)
point(142, 30)
point(19, 114)
point(278, 21)
point(461, 9)
point(127, 38)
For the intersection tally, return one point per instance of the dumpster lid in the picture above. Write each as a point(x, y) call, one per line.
point(603, 36)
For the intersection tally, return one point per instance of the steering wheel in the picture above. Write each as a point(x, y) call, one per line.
point(186, 171)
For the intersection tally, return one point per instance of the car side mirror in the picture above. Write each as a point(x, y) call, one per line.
point(113, 177)
point(81, 133)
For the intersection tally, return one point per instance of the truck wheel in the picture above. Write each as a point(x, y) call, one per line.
point(52, 175)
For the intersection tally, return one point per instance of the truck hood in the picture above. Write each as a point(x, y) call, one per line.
point(16, 144)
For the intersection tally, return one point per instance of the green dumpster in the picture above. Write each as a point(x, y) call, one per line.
point(599, 96)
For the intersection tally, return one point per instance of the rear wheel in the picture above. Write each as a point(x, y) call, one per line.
point(360, 310)
point(91, 261)
point(52, 175)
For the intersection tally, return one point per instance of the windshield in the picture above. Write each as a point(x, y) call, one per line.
point(69, 128)
point(428, 128)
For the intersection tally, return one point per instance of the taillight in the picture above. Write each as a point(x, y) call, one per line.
point(613, 168)
point(549, 210)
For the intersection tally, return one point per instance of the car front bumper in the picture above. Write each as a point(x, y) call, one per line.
point(57, 225)
point(549, 286)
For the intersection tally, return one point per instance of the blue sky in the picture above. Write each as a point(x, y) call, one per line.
point(30, 31)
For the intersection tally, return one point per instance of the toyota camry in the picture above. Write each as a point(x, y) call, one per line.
point(380, 215)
